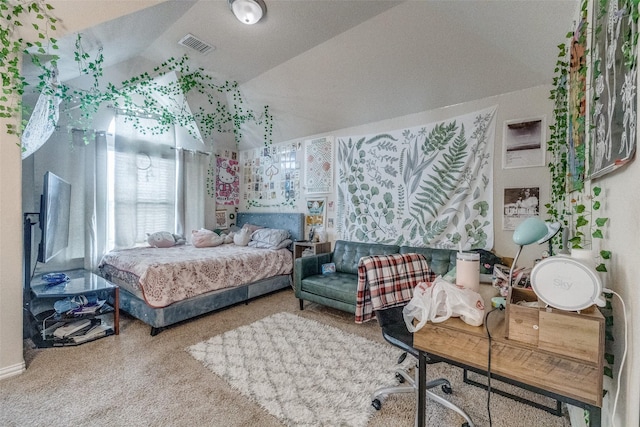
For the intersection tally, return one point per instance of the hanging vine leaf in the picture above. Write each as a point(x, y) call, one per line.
point(436, 188)
point(433, 229)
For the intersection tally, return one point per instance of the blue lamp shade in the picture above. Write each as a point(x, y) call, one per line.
point(531, 230)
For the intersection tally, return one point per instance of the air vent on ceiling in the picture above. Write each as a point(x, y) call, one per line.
point(195, 43)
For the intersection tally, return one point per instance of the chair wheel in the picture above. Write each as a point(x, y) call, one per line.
point(448, 390)
point(465, 425)
point(400, 378)
point(376, 404)
point(402, 357)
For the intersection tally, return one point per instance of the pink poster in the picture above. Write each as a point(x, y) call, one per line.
point(227, 182)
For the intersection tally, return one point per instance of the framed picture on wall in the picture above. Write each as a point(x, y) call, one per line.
point(316, 212)
point(524, 143)
point(614, 89)
point(519, 204)
point(221, 219)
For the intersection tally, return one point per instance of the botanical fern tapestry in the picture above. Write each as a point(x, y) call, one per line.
point(425, 186)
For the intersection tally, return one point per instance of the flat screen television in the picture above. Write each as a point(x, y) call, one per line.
point(55, 210)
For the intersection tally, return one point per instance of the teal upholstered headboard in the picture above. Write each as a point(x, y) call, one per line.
point(293, 222)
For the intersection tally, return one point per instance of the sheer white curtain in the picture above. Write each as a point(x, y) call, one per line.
point(96, 201)
point(190, 207)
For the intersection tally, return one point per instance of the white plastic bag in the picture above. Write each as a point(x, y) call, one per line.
point(440, 309)
point(441, 300)
point(464, 303)
point(419, 307)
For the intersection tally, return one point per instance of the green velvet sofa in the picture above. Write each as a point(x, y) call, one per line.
point(338, 290)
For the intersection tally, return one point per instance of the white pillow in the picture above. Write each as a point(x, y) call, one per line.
point(261, 245)
point(242, 237)
point(164, 239)
point(270, 238)
point(205, 238)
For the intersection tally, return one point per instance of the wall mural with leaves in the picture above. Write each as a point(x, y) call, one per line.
point(425, 186)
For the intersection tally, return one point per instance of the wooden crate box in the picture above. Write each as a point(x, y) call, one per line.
point(522, 322)
point(575, 334)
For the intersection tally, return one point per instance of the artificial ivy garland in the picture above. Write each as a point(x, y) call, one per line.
point(132, 95)
point(14, 14)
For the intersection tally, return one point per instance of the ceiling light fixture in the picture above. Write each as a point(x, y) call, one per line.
point(248, 11)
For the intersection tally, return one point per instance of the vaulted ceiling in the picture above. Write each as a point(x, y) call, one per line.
point(325, 65)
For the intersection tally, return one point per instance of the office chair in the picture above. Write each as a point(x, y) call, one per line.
point(395, 332)
point(390, 280)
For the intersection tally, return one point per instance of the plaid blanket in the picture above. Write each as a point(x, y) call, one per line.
point(387, 281)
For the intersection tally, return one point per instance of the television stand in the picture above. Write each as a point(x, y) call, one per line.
point(87, 326)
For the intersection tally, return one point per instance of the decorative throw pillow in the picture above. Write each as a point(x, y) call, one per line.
point(262, 245)
point(205, 238)
point(270, 238)
point(242, 237)
point(164, 239)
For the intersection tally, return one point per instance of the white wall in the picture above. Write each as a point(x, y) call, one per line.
point(516, 105)
point(621, 203)
point(11, 358)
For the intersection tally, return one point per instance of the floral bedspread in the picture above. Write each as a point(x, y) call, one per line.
point(167, 275)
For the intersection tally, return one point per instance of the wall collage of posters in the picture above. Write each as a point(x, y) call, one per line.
point(271, 176)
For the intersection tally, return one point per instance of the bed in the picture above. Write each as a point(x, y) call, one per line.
point(175, 280)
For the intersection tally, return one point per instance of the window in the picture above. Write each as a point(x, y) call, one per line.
point(142, 185)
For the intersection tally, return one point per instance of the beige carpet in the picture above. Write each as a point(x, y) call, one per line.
point(301, 371)
point(137, 380)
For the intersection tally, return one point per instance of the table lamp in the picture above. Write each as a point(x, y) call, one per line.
point(532, 230)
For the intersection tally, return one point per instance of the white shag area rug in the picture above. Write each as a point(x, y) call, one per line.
point(306, 373)
point(303, 372)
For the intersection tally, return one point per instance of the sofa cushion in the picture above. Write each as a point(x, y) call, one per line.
point(346, 255)
point(335, 286)
point(440, 260)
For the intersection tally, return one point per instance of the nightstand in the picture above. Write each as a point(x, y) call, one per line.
point(317, 248)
